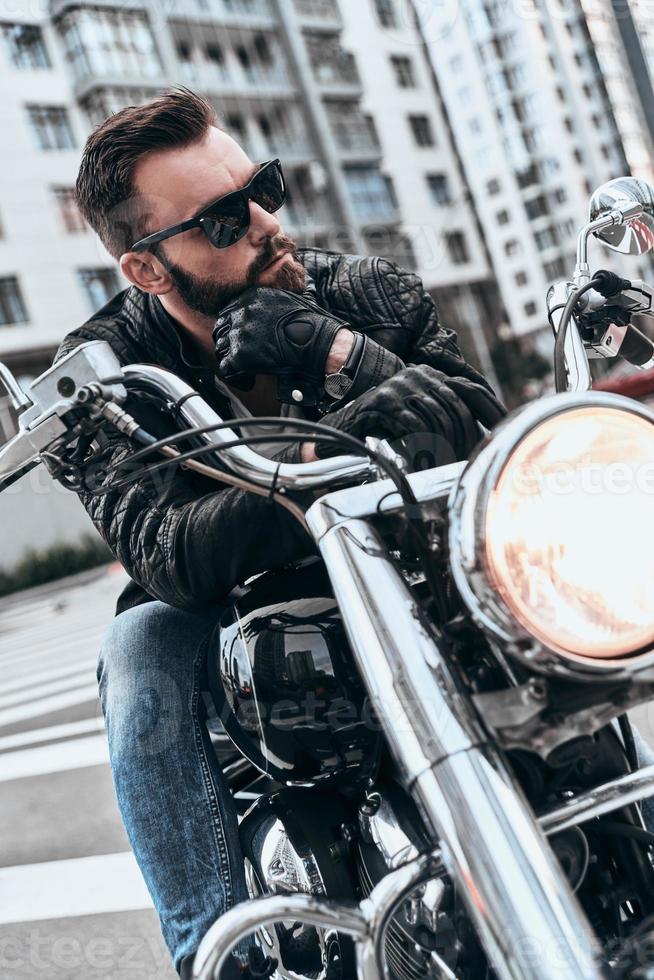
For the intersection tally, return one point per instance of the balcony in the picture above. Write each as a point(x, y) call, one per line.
point(58, 7)
point(239, 13)
point(334, 69)
point(371, 195)
point(358, 144)
point(290, 150)
point(319, 14)
point(300, 215)
point(226, 75)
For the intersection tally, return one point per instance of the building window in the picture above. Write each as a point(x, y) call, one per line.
point(109, 41)
point(512, 247)
point(371, 129)
point(25, 45)
point(214, 54)
point(493, 186)
point(69, 211)
point(567, 228)
point(536, 207)
point(51, 126)
point(503, 217)
point(385, 13)
point(369, 193)
point(439, 188)
point(422, 131)
point(99, 285)
point(555, 269)
point(530, 308)
point(521, 278)
point(457, 248)
point(350, 127)
point(403, 68)
point(12, 307)
point(547, 238)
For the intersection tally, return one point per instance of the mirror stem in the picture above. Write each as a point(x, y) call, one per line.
point(618, 216)
point(19, 399)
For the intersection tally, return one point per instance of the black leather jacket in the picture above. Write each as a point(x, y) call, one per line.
point(187, 540)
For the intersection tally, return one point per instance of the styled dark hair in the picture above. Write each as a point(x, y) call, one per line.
point(105, 191)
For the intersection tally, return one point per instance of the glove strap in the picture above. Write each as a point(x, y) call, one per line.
point(375, 364)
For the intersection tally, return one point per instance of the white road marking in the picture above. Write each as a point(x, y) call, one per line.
point(51, 733)
point(53, 674)
point(37, 691)
point(65, 889)
point(80, 753)
point(43, 706)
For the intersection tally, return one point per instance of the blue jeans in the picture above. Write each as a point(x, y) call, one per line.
point(176, 806)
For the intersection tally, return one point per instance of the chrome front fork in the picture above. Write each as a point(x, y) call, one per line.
point(526, 916)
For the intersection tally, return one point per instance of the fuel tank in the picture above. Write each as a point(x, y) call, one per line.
point(284, 685)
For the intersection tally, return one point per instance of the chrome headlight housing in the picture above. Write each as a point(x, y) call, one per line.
point(552, 534)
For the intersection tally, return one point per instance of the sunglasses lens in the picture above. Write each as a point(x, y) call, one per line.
point(228, 220)
point(228, 223)
point(268, 189)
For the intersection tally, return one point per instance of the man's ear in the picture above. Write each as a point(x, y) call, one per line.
point(145, 270)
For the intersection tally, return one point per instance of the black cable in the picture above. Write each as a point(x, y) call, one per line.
point(197, 451)
point(629, 742)
point(331, 435)
point(265, 420)
point(623, 830)
point(559, 343)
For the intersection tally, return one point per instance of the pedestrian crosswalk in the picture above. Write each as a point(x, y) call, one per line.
point(59, 822)
point(49, 641)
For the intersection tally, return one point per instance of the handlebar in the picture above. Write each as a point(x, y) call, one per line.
point(47, 421)
point(245, 462)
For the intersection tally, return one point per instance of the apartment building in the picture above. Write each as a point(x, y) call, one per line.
point(537, 129)
point(401, 104)
point(280, 83)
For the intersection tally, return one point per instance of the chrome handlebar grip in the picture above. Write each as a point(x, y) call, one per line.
point(576, 361)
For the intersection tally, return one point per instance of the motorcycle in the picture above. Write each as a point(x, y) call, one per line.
point(425, 727)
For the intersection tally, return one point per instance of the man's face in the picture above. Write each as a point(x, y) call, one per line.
point(180, 183)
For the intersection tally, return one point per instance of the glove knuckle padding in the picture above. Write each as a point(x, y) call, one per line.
point(297, 330)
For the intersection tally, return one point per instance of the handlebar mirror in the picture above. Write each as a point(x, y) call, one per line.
point(636, 235)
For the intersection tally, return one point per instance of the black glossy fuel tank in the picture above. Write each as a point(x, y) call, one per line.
point(284, 685)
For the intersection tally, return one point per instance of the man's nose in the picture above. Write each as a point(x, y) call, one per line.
point(262, 224)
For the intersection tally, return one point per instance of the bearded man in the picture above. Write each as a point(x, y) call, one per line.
point(221, 297)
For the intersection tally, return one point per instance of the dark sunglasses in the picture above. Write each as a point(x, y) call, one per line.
point(227, 220)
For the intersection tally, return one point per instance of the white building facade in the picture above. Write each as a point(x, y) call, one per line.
point(537, 130)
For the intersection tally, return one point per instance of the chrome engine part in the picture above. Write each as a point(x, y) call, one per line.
point(420, 939)
point(294, 846)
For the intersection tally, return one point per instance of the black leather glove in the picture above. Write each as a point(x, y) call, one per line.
point(272, 331)
point(430, 417)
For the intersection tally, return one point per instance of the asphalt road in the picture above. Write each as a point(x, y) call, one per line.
point(73, 905)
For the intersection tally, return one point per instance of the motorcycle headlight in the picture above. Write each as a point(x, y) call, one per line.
point(551, 528)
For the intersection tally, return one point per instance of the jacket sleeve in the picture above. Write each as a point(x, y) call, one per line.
point(188, 549)
point(395, 310)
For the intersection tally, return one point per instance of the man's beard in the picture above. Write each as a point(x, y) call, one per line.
point(207, 296)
